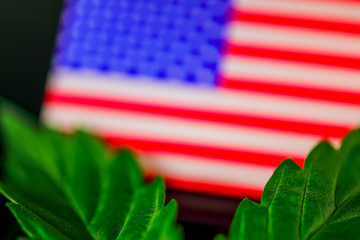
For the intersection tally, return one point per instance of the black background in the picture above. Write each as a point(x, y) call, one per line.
point(27, 33)
point(27, 36)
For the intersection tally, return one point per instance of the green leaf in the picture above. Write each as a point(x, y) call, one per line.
point(33, 225)
point(220, 237)
point(113, 189)
point(162, 222)
point(321, 201)
point(71, 187)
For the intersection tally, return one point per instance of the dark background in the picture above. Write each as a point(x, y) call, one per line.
point(27, 33)
point(27, 36)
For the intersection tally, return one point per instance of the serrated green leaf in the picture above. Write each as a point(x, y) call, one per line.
point(142, 213)
point(114, 188)
point(321, 201)
point(253, 218)
point(162, 222)
point(34, 226)
point(69, 227)
point(70, 187)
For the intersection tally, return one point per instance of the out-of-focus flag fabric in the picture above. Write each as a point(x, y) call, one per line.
point(212, 94)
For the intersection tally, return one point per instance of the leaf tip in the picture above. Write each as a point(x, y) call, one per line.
point(284, 166)
point(172, 204)
point(321, 148)
point(272, 184)
point(351, 139)
point(157, 185)
point(159, 181)
point(287, 163)
point(220, 237)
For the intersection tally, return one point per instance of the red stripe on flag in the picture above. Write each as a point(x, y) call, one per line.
point(346, 27)
point(202, 151)
point(322, 130)
point(292, 56)
point(288, 90)
point(208, 188)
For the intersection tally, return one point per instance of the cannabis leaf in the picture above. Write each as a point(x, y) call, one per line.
point(70, 187)
point(321, 201)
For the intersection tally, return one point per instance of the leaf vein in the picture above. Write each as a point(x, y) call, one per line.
point(302, 205)
point(356, 191)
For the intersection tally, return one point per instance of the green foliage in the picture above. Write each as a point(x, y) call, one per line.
point(70, 187)
point(321, 201)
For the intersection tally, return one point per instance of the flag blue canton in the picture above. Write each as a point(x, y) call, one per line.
point(177, 40)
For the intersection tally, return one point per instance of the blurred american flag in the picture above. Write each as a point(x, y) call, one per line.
point(220, 97)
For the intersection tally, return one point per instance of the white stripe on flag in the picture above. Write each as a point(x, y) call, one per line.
point(168, 129)
point(207, 170)
point(220, 100)
point(291, 73)
point(294, 39)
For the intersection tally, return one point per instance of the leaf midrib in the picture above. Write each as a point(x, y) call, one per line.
point(356, 191)
point(60, 230)
point(130, 209)
point(268, 208)
point(75, 207)
point(302, 203)
point(153, 216)
point(62, 189)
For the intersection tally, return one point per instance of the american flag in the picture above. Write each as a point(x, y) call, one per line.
point(212, 94)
